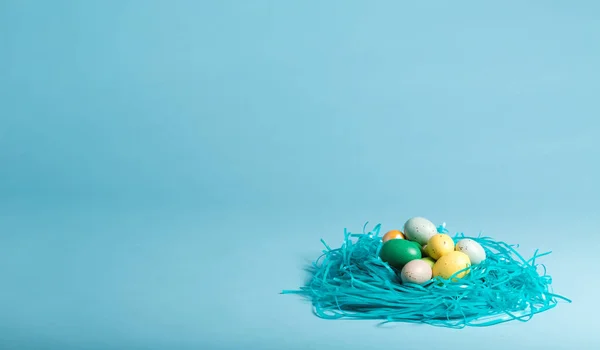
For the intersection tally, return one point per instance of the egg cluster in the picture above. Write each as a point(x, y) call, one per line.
point(421, 253)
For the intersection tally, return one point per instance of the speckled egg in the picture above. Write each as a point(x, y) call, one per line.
point(439, 245)
point(393, 234)
point(416, 271)
point(419, 229)
point(474, 250)
point(451, 263)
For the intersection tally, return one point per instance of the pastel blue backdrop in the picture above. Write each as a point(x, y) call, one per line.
point(168, 167)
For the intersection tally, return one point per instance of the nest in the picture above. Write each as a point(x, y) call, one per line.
point(353, 282)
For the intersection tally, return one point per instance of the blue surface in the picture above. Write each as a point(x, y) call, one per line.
point(166, 168)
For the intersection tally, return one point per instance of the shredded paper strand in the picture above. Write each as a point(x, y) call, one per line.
point(353, 282)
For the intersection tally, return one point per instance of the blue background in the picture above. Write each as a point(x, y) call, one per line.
point(167, 167)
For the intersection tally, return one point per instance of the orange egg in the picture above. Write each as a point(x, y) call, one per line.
point(393, 234)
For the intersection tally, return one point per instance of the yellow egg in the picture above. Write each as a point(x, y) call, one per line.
point(439, 245)
point(451, 263)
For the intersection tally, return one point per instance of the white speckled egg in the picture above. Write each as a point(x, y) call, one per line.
point(419, 229)
point(416, 271)
point(474, 250)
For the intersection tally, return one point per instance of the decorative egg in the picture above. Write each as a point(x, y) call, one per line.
point(439, 245)
point(451, 263)
point(398, 252)
point(419, 229)
point(429, 261)
point(393, 234)
point(416, 271)
point(474, 250)
point(424, 250)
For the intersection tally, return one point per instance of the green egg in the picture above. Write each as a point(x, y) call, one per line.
point(398, 252)
point(429, 261)
point(416, 244)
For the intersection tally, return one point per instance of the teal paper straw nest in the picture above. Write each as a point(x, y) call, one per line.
point(353, 282)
